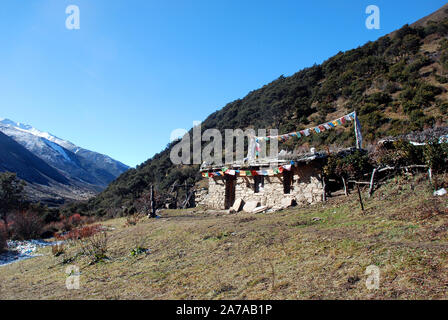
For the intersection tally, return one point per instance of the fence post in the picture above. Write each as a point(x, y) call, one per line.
point(153, 203)
point(345, 186)
point(372, 181)
point(360, 198)
point(324, 185)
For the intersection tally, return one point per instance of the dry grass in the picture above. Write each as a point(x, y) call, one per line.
point(320, 252)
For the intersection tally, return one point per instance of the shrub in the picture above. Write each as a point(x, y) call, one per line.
point(426, 94)
point(11, 194)
point(351, 166)
point(80, 233)
point(436, 156)
point(26, 225)
point(138, 250)
point(443, 107)
point(379, 98)
point(3, 237)
point(75, 220)
point(95, 246)
point(57, 250)
point(67, 224)
point(398, 153)
point(134, 219)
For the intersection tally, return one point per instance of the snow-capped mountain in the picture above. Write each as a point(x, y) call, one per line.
point(86, 169)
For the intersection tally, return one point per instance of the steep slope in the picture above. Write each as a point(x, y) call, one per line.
point(79, 164)
point(397, 84)
point(16, 158)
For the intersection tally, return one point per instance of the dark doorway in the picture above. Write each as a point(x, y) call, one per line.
point(230, 191)
point(287, 181)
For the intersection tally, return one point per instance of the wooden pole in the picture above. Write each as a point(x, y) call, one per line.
point(345, 186)
point(153, 203)
point(186, 195)
point(176, 197)
point(324, 194)
point(372, 183)
point(360, 198)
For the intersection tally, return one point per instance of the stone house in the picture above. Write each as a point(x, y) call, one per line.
point(272, 183)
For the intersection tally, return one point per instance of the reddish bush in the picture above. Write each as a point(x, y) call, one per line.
point(80, 233)
point(75, 220)
point(26, 225)
point(67, 224)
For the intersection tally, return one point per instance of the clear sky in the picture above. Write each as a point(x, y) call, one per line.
point(138, 69)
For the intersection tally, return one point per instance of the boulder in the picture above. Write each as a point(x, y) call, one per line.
point(440, 192)
point(287, 202)
point(250, 206)
point(260, 209)
point(238, 205)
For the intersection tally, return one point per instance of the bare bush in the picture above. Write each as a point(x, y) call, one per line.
point(79, 233)
point(134, 219)
point(95, 246)
point(26, 225)
point(66, 224)
point(57, 250)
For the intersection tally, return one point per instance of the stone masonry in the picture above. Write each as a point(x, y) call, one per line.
point(306, 188)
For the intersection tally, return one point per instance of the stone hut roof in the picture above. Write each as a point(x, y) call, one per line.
point(281, 160)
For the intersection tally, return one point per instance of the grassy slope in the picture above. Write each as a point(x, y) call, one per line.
point(282, 255)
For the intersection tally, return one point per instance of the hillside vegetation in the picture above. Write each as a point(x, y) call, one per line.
point(320, 252)
point(397, 84)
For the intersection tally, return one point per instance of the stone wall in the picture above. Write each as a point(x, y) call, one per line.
point(306, 188)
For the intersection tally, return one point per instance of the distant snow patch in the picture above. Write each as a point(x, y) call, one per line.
point(58, 149)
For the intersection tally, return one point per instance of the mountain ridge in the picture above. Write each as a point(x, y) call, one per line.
point(87, 172)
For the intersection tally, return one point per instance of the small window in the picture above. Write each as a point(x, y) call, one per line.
point(258, 184)
point(287, 180)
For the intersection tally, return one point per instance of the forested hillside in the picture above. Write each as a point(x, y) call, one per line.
point(397, 84)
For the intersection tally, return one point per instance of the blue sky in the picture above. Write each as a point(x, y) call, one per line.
point(138, 69)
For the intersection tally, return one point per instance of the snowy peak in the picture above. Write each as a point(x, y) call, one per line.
point(86, 169)
point(35, 132)
point(17, 125)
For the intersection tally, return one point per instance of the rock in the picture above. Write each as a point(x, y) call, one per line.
point(250, 206)
point(238, 205)
point(260, 209)
point(440, 192)
point(287, 202)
